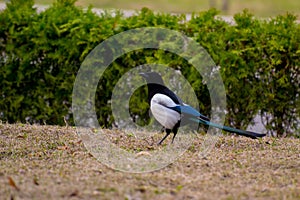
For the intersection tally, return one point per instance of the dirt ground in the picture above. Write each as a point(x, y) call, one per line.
point(50, 162)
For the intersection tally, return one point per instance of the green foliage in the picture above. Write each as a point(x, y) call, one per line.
point(42, 52)
point(281, 74)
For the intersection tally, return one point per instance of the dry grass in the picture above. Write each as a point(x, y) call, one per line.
point(50, 162)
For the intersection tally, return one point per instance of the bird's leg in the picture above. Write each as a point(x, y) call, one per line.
point(175, 132)
point(168, 131)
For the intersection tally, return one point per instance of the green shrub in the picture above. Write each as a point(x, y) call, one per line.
point(42, 52)
point(281, 74)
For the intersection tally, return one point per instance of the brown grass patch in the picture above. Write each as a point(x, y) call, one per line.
point(51, 162)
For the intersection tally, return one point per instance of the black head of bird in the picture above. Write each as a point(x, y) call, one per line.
point(152, 77)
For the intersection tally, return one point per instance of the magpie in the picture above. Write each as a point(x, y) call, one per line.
point(171, 112)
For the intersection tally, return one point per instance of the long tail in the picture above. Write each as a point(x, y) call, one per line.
point(249, 134)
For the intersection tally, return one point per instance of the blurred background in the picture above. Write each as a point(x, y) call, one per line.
point(265, 8)
point(259, 59)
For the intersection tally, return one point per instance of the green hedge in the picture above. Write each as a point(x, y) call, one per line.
point(42, 52)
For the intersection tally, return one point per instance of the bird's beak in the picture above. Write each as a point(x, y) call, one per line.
point(143, 75)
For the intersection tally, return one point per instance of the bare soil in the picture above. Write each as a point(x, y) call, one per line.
point(51, 162)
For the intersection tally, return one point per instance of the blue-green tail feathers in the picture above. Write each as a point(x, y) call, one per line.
point(249, 134)
point(195, 116)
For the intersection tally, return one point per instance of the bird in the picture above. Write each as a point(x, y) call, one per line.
point(171, 112)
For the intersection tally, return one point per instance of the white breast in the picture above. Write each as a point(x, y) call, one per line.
point(165, 116)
